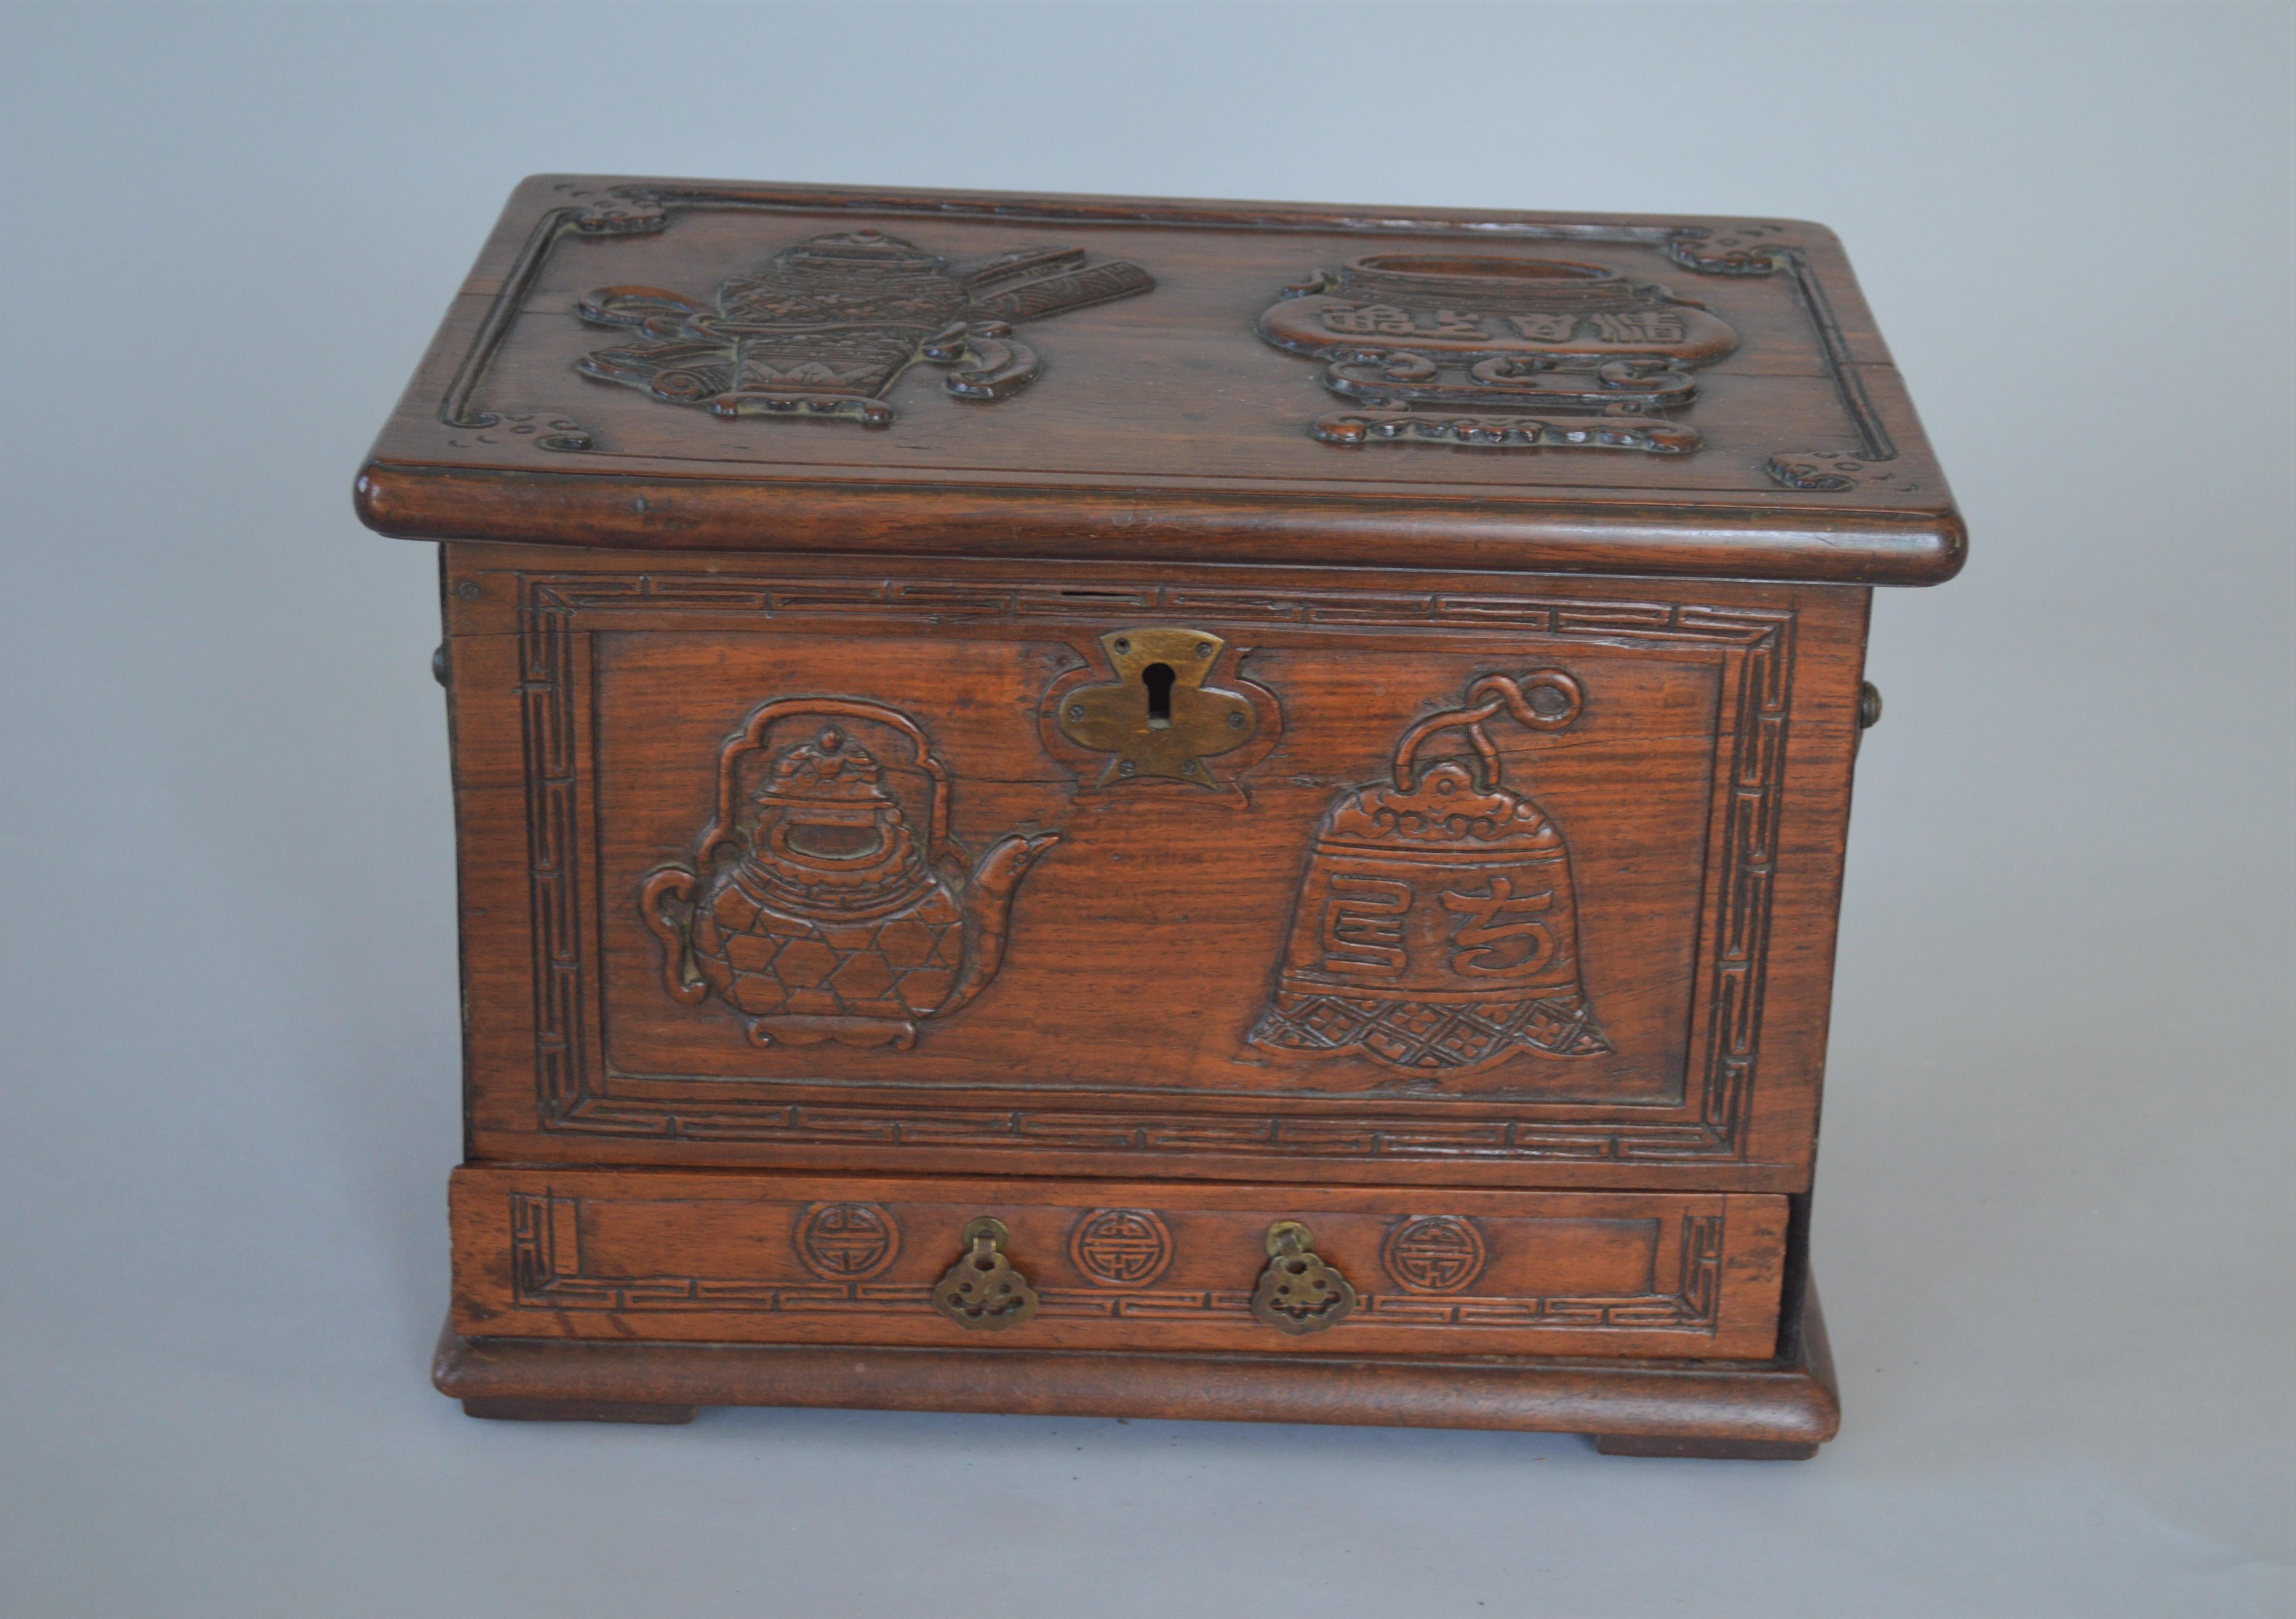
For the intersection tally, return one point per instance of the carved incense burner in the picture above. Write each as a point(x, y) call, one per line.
point(1484, 349)
point(1253, 864)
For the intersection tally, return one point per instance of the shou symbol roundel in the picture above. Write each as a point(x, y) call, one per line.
point(822, 329)
point(1121, 1248)
point(1437, 927)
point(1434, 1254)
point(1502, 352)
point(846, 1241)
point(830, 917)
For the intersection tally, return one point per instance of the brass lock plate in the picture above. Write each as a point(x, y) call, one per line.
point(1161, 718)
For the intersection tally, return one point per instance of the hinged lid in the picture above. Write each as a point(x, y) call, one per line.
point(697, 364)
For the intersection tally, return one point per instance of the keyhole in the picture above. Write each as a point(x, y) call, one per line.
point(1158, 678)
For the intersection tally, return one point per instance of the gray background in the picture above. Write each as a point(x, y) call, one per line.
point(2053, 1209)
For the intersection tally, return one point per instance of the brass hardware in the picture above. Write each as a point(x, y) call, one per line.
point(1298, 1292)
point(982, 1290)
point(1869, 714)
point(1158, 718)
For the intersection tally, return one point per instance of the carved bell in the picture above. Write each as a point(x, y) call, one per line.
point(1436, 930)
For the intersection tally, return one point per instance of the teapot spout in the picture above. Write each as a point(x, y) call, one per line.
point(989, 911)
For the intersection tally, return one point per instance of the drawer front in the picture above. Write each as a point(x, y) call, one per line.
point(1528, 880)
point(728, 1256)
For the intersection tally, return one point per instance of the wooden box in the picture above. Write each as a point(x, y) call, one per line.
point(1193, 809)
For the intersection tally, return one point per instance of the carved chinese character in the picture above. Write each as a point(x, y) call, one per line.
point(1363, 926)
point(1384, 319)
point(1452, 324)
point(1545, 328)
point(1501, 934)
point(1639, 326)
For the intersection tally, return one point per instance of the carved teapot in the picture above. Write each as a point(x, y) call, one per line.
point(827, 919)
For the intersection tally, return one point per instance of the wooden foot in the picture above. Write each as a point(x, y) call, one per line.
point(578, 1411)
point(1715, 1449)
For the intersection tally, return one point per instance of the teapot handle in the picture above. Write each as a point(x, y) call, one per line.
point(1485, 697)
point(753, 736)
point(679, 974)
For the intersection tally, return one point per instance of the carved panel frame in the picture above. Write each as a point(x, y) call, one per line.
point(574, 1083)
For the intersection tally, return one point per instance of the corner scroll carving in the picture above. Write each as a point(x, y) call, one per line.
point(1746, 249)
point(1753, 248)
point(624, 210)
point(1836, 471)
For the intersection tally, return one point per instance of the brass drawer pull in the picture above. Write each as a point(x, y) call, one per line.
point(1298, 1292)
point(982, 1290)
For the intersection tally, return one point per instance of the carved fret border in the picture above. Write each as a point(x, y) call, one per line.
point(547, 1273)
point(574, 1093)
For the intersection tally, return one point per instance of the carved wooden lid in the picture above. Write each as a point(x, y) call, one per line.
point(654, 363)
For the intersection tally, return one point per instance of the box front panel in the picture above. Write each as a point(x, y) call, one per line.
point(1221, 875)
point(745, 1257)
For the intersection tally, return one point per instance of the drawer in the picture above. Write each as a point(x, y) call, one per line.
point(737, 1257)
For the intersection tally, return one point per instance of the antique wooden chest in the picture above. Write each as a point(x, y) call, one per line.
point(1096, 805)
